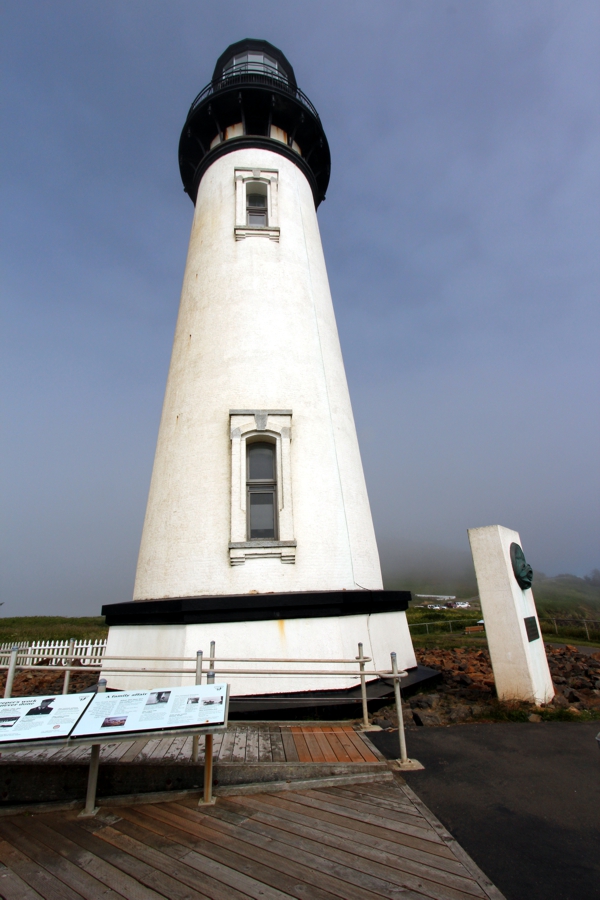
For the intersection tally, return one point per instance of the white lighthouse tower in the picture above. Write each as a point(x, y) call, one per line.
point(258, 532)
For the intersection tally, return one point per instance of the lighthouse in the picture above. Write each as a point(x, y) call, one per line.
point(258, 532)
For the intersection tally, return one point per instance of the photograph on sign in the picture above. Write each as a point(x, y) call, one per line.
point(131, 711)
point(40, 718)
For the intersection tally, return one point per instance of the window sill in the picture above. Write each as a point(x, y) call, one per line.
point(240, 551)
point(245, 231)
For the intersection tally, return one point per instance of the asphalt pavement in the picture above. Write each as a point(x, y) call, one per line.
point(522, 799)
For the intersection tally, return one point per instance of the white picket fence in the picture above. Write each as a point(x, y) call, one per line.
point(55, 652)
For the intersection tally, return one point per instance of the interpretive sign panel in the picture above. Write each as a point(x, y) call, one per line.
point(131, 711)
point(40, 718)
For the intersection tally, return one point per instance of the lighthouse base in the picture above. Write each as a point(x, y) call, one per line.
point(324, 625)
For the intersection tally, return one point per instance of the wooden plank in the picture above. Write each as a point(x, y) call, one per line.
point(14, 888)
point(317, 801)
point(160, 749)
point(33, 875)
point(173, 751)
point(252, 746)
point(392, 801)
point(348, 746)
point(179, 879)
point(120, 749)
point(329, 754)
point(379, 852)
point(267, 866)
point(313, 746)
point(318, 867)
point(239, 746)
point(361, 746)
point(146, 753)
point(277, 748)
point(338, 748)
point(375, 801)
point(186, 750)
point(169, 849)
point(362, 807)
point(133, 750)
point(213, 866)
point(265, 750)
point(227, 747)
point(163, 885)
point(302, 750)
point(289, 746)
point(359, 838)
point(44, 829)
point(74, 881)
point(414, 876)
point(376, 828)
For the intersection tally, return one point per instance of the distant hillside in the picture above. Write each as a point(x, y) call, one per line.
point(566, 594)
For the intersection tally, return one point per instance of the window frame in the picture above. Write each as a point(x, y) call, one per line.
point(262, 486)
point(243, 179)
point(272, 426)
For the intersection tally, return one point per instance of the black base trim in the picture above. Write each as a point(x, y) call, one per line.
point(254, 607)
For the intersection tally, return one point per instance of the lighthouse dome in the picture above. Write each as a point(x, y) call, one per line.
point(253, 100)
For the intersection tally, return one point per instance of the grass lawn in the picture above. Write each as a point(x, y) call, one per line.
point(52, 628)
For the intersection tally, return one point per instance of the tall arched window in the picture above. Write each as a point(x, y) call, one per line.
point(256, 204)
point(261, 487)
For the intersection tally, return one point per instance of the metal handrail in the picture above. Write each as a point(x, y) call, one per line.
point(239, 77)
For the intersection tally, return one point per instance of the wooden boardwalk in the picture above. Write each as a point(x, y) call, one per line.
point(361, 842)
point(251, 743)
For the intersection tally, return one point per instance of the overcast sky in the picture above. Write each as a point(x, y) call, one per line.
point(461, 232)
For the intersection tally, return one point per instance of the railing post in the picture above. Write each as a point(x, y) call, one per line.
point(210, 677)
point(208, 769)
point(208, 738)
point(555, 626)
point(363, 686)
point(586, 629)
point(196, 738)
point(90, 797)
point(70, 654)
point(12, 666)
point(401, 735)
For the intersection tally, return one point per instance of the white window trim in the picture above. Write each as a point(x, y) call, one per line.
point(270, 177)
point(261, 423)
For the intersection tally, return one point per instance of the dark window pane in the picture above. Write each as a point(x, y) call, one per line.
point(257, 200)
point(262, 515)
point(261, 462)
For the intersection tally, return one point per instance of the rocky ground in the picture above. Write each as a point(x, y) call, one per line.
point(33, 684)
point(466, 691)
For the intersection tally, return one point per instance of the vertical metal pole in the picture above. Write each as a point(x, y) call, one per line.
point(70, 654)
point(586, 629)
point(208, 738)
point(555, 626)
point(450, 627)
point(90, 797)
point(210, 678)
point(401, 735)
point(12, 666)
point(363, 686)
point(427, 627)
point(208, 767)
point(196, 739)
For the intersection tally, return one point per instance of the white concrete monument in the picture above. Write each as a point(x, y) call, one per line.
point(513, 631)
point(258, 532)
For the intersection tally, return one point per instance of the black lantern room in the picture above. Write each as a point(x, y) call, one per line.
point(253, 101)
